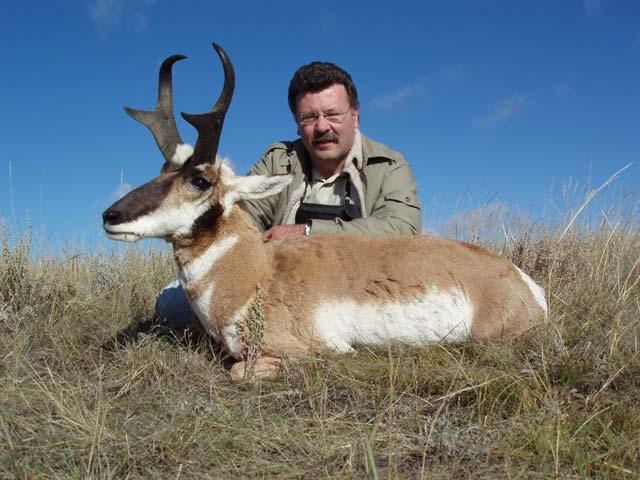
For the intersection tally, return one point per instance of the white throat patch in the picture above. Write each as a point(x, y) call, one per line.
point(198, 267)
point(201, 306)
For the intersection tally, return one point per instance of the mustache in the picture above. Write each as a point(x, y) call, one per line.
point(325, 137)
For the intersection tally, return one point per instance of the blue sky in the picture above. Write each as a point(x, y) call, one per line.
point(494, 103)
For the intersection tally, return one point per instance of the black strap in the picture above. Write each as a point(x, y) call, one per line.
point(316, 211)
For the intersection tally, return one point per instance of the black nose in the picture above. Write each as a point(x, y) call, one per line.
point(110, 216)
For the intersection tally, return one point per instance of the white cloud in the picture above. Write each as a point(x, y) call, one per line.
point(505, 109)
point(561, 89)
point(120, 191)
point(591, 7)
point(455, 73)
point(328, 23)
point(116, 194)
point(106, 11)
point(392, 99)
point(110, 14)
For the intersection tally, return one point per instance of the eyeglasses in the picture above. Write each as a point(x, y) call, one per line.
point(311, 118)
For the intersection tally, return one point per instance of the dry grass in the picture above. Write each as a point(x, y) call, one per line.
point(89, 390)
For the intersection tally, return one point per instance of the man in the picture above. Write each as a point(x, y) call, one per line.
point(343, 181)
point(334, 164)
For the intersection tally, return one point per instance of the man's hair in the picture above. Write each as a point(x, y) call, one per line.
point(317, 76)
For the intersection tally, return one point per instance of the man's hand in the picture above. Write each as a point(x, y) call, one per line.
point(284, 232)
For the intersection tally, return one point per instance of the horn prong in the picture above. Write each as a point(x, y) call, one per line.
point(161, 121)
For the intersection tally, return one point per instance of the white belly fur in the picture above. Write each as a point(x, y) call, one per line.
point(437, 317)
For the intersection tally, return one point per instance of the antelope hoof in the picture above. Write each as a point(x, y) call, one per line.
point(264, 368)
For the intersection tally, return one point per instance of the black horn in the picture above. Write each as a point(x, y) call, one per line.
point(161, 121)
point(209, 125)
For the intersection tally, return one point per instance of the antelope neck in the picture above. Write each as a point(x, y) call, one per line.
point(213, 241)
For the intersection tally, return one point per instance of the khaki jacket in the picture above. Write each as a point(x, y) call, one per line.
point(382, 179)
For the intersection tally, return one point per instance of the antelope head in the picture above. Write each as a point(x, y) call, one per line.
point(192, 182)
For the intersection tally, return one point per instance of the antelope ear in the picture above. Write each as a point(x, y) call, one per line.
point(251, 187)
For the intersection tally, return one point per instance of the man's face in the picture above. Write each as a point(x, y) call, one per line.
point(328, 142)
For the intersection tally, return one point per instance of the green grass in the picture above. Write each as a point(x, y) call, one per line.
point(89, 390)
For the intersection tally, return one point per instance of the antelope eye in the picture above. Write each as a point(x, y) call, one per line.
point(200, 183)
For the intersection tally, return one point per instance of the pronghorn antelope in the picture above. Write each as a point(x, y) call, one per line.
point(266, 301)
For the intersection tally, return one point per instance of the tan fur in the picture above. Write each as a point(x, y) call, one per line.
point(296, 275)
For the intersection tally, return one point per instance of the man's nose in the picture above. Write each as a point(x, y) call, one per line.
point(322, 124)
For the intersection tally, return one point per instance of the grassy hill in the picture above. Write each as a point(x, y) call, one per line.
point(90, 388)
